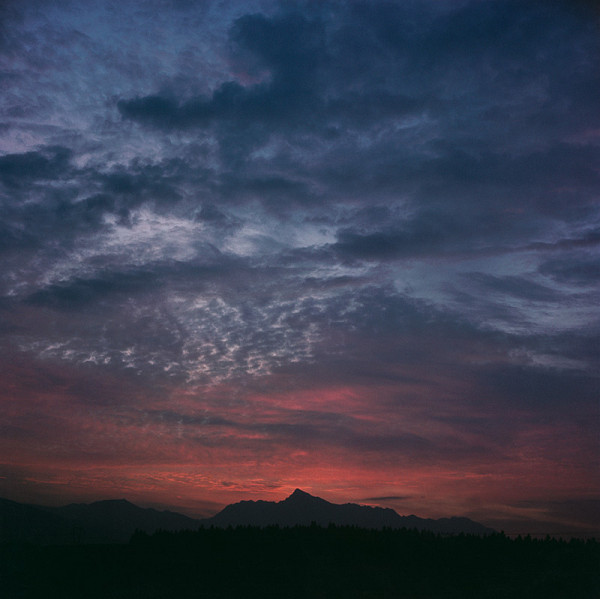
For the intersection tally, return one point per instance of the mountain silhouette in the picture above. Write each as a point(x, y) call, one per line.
point(30, 524)
point(110, 521)
point(302, 509)
point(115, 521)
point(118, 519)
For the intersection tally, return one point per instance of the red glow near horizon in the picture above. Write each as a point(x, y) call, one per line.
point(248, 251)
point(188, 452)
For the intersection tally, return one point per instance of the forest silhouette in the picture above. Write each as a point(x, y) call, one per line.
point(305, 562)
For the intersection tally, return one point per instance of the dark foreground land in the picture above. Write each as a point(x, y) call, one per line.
point(300, 562)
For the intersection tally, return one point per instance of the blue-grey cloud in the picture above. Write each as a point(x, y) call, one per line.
point(555, 391)
point(514, 286)
point(573, 268)
point(17, 170)
point(289, 47)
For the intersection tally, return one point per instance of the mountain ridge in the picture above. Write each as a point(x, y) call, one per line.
point(105, 521)
point(115, 520)
point(302, 509)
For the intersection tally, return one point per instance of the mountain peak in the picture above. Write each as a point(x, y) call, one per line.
point(303, 500)
point(300, 493)
point(300, 496)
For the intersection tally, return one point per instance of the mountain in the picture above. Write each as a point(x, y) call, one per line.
point(301, 508)
point(112, 521)
point(118, 519)
point(31, 524)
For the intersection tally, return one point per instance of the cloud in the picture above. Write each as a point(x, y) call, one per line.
point(422, 235)
point(577, 268)
point(518, 287)
point(387, 498)
point(331, 239)
point(77, 294)
point(554, 391)
point(287, 46)
point(17, 170)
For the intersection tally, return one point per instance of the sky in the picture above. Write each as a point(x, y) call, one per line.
point(350, 247)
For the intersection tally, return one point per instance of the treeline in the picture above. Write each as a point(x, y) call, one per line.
point(305, 562)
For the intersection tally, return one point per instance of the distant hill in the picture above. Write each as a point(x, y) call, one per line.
point(30, 524)
point(114, 521)
point(301, 508)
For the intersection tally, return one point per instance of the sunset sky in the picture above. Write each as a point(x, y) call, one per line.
point(351, 247)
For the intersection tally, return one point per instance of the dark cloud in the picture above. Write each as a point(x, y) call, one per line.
point(578, 269)
point(114, 286)
point(514, 286)
point(290, 56)
point(17, 170)
point(589, 238)
point(384, 46)
point(579, 345)
point(289, 47)
point(426, 234)
point(57, 220)
point(77, 294)
point(552, 391)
